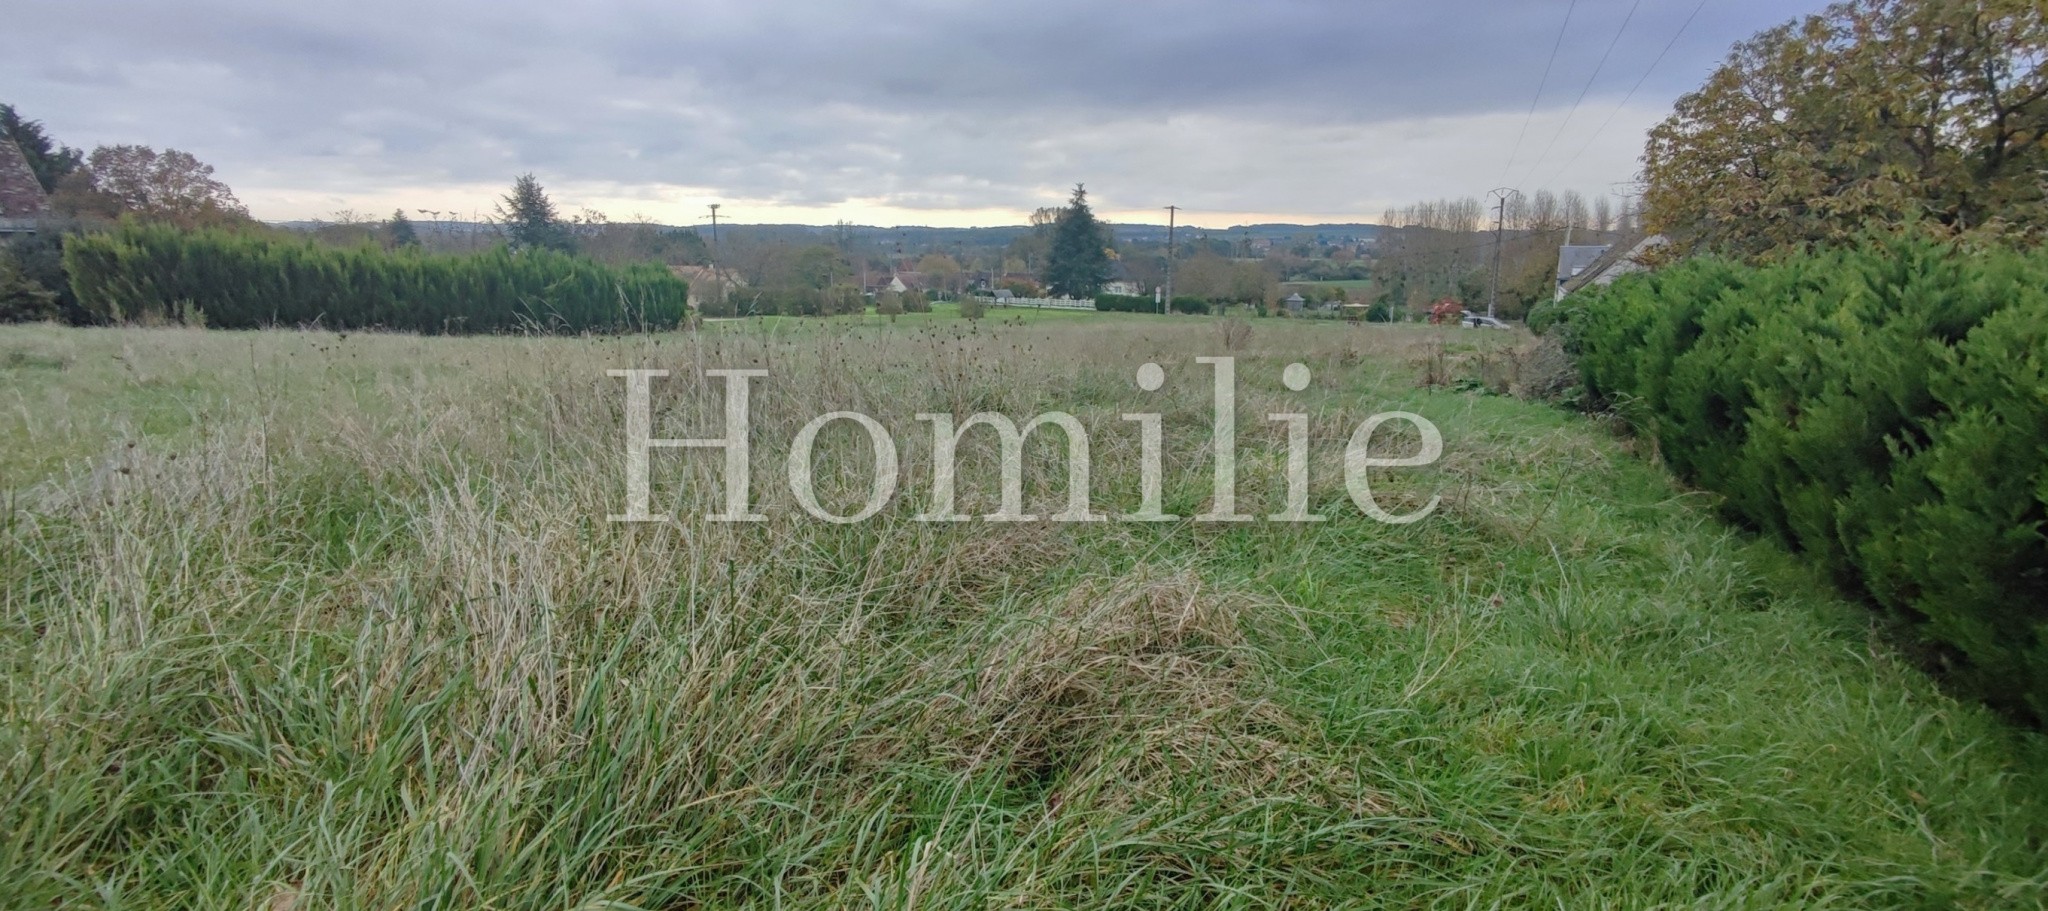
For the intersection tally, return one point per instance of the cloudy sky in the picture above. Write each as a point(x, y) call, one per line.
point(876, 111)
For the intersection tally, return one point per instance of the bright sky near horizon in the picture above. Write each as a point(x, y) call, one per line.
point(888, 112)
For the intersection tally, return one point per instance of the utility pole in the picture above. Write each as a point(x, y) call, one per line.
point(714, 232)
point(1500, 220)
point(1172, 212)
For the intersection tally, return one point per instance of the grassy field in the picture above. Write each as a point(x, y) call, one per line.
point(303, 620)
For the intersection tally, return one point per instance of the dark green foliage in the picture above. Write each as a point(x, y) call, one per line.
point(1078, 264)
point(530, 219)
point(1195, 305)
point(399, 232)
point(916, 302)
point(22, 300)
point(972, 308)
point(40, 256)
point(1884, 410)
point(1125, 303)
point(239, 281)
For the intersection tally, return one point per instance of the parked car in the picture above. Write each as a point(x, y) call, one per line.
point(1476, 321)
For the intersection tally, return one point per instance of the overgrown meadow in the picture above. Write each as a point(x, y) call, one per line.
point(303, 620)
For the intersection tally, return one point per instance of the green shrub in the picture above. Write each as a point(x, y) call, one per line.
point(242, 281)
point(1196, 305)
point(22, 299)
point(846, 300)
point(1883, 410)
point(1126, 303)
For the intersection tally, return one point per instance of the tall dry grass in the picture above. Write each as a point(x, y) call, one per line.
point(303, 620)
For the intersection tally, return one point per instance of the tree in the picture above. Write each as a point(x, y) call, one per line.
point(530, 219)
point(169, 186)
point(1078, 264)
point(943, 272)
point(347, 228)
point(50, 162)
point(819, 267)
point(639, 241)
point(1206, 276)
point(399, 232)
point(1898, 113)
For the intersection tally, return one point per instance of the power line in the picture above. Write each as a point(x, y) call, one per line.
point(1631, 93)
point(1625, 20)
point(1540, 84)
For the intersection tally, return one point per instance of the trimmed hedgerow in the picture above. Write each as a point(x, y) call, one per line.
point(1125, 303)
point(241, 281)
point(1883, 410)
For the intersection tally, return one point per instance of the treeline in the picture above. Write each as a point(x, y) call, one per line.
point(244, 280)
point(1881, 409)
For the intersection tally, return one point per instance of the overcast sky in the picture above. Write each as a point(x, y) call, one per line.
point(890, 112)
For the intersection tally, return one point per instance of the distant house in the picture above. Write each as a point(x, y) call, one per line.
point(1125, 288)
point(1613, 262)
point(1573, 260)
point(899, 282)
point(707, 284)
point(22, 201)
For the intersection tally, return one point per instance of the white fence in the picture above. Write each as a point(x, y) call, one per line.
point(1039, 303)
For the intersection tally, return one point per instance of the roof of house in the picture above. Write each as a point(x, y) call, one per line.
point(21, 194)
point(1628, 250)
point(1572, 260)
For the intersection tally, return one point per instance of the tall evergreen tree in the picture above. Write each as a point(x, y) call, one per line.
point(530, 219)
point(1078, 265)
point(399, 230)
point(50, 162)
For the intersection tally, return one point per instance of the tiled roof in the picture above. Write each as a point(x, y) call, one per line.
point(1573, 260)
point(1626, 251)
point(21, 195)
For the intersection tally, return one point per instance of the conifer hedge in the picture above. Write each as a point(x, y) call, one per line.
point(241, 281)
point(1882, 409)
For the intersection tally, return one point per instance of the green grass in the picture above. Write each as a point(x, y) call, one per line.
point(297, 620)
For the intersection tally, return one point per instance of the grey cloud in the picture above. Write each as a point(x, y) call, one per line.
point(927, 104)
